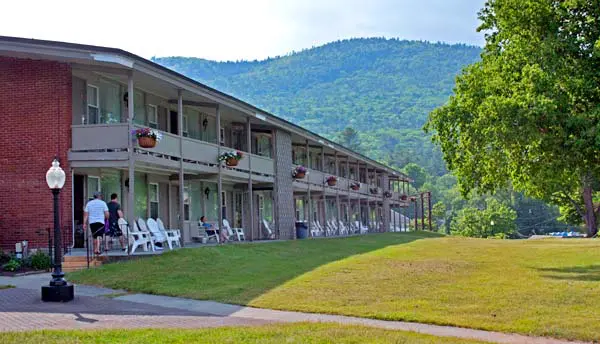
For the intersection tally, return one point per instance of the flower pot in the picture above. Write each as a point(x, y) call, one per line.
point(331, 182)
point(300, 175)
point(231, 162)
point(147, 142)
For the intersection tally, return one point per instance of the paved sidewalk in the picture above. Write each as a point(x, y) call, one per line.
point(21, 309)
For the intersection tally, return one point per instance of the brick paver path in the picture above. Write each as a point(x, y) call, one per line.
point(22, 310)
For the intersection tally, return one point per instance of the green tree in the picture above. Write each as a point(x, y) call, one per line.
point(438, 214)
point(528, 114)
point(495, 221)
point(416, 173)
point(349, 138)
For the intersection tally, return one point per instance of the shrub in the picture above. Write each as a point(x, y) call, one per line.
point(4, 257)
point(40, 261)
point(12, 265)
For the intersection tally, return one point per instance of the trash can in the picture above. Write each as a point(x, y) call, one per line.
point(301, 230)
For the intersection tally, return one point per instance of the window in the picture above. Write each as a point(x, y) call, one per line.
point(224, 204)
point(154, 200)
point(222, 136)
point(186, 203)
point(185, 127)
point(152, 116)
point(299, 210)
point(93, 101)
point(93, 185)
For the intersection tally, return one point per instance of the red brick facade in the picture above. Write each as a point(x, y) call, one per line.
point(35, 107)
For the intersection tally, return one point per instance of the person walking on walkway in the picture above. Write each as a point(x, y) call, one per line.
point(95, 214)
point(115, 213)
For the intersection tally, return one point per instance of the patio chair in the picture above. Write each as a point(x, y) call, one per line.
point(343, 229)
point(173, 235)
point(156, 237)
point(134, 237)
point(210, 233)
point(315, 230)
point(270, 234)
point(234, 232)
point(154, 228)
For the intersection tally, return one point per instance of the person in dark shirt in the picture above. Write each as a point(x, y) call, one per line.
point(115, 213)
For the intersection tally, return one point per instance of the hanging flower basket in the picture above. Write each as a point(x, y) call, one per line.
point(299, 172)
point(331, 180)
point(147, 137)
point(231, 158)
point(355, 186)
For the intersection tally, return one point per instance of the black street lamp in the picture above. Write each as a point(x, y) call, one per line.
point(58, 290)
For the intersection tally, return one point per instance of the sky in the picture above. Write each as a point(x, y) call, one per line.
point(238, 29)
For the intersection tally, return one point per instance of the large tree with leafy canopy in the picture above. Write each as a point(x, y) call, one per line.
point(528, 113)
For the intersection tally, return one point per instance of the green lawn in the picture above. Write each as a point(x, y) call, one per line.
point(536, 287)
point(8, 286)
point(276, 334)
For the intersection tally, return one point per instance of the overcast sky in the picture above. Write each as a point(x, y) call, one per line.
point(237, 29)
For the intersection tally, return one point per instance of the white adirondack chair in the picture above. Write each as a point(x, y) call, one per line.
point(155, 234)
point(234, 232)
point(154, 228)
point(270, 234)
point(362, 228)
point(173, 235)
point(134, 237)
point(214, 230)
point(140, 224)
point(315, 230)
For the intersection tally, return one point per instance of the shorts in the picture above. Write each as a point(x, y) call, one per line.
point(114, 229)
point(97, 229)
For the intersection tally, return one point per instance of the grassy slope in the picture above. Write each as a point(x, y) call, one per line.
point(290, 333)
point(546, 287)
point(233, 273)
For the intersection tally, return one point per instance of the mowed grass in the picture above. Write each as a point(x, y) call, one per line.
point(275, 334)
point(234, 273)
point(535, 287)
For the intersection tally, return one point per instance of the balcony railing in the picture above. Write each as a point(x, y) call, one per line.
point(114, 137)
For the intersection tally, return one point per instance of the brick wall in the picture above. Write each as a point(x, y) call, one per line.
point(35, 107)
point(284, 215)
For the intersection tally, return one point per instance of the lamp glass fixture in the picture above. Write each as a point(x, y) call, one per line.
point(55, 177)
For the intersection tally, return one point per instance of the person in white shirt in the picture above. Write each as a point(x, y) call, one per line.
point(95, 214)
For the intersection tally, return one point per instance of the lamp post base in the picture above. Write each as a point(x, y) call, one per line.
point(58, 293)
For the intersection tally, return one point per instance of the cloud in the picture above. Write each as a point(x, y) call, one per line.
point(238, 29)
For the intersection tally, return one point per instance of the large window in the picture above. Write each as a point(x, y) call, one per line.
point(93, 185)
point(154, 200)
point(110, 106)
point(152, 116)
point(140, 195)
point(186, 126)
point(139, 109)
point(93, 104)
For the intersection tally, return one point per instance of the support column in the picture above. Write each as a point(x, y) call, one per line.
point(422, 211)
point(429, 209)
point(386, 209)
point(416, 214)
point(250, 186)
point(360, 223)
point(181, 177)
point(131, 156)
point(219, 176)
point(324, 224)
point(309, 205)
point(348, 193)
point(337, 195)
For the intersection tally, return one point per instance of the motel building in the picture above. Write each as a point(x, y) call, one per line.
point(80, 103)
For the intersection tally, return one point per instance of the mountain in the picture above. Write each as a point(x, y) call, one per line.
point(382, 88)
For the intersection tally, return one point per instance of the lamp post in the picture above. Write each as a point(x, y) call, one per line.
point(58, 290)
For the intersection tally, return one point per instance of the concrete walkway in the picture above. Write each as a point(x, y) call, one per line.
point(19, 306)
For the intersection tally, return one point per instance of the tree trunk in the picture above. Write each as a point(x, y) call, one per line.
point(590, 215)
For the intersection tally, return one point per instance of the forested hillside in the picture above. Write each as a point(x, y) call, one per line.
point(382, 88)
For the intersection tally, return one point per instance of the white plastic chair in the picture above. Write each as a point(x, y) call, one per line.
point(135, 238)
point(155, 234)
point(173, 235)
point(214, 235)
point(267, 229)
point(154, 228)
point(234, 232)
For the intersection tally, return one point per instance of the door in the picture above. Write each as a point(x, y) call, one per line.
point(78, 204)
point(174, 119)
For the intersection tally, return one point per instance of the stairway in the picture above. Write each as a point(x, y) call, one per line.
point(74, 263)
